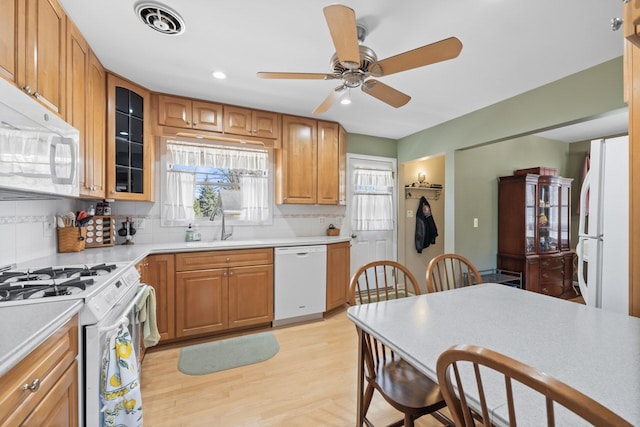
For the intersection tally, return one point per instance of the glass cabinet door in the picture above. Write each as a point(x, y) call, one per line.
point(530, 219)
point(129, 141)
point(565, 217)
point(547, 218)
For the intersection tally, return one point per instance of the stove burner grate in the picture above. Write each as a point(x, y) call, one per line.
point(16, 291)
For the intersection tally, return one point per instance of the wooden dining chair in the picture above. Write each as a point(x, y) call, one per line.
point(515, 375)
point(400, 384)
point(450, 271)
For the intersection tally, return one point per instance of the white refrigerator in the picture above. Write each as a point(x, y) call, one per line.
point(603, 234)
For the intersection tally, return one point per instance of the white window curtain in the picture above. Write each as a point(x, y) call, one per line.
point(372, 200)
point(178, 204)
point(255, 198)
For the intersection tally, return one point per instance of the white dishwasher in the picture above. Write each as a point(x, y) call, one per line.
point(300, 285)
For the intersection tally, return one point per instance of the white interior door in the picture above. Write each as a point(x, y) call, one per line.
point(371, 245)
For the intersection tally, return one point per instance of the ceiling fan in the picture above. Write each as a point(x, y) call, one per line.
point(354, 63)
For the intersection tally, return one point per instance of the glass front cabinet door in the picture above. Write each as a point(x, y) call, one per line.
point(129, 141)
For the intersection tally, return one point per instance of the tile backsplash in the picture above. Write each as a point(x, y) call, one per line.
point(27, 228)
point(28, 231)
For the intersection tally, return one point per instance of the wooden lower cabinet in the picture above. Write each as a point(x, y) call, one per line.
point(550, 274)
point(201, 302)
point(250, 295)
point(338, 265)
point(51, 370)
point(220, 290)
point(159, 272)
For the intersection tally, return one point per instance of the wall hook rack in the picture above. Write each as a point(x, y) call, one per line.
point(417, 192)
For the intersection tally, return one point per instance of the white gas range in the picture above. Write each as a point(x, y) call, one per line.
point(110, 293)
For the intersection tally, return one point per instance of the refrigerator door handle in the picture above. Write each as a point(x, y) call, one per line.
point(581, 281)
point(582, 222)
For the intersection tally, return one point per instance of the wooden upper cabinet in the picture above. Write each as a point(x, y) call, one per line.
point(311, 164)
point(342, 166)
point(9, 37)
point(94, 167)
point(130, 148)
point(247, 122)
point(328, 163)
point(86, 110)
point(631, 21)
point(297, 161)
point(190, 114)
point(45, 53)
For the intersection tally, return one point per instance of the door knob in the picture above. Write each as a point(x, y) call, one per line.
point(354, 235)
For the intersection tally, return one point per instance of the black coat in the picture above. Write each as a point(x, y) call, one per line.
point(426, 230)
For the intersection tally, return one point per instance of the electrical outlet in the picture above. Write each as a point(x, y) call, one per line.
point(47, 229)
point(323, 220)
point(139, 224)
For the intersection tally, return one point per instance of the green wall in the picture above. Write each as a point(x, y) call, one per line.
point(575, 98)
point(371, 145)
point(476, 195)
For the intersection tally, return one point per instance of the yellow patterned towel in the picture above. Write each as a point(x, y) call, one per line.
point(120, 382)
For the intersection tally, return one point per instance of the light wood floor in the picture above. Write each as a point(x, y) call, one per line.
point(310, 382)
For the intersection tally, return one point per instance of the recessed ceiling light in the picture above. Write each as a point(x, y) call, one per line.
point(219, 75)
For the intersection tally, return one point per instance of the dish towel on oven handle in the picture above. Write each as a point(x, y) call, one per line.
point(120, 382)
point(146, 309)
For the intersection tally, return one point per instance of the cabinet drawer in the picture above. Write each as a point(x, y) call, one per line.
point(551, 275)
point(46, 364)
point(554, 289)
point(552, 263)
point(218, 259)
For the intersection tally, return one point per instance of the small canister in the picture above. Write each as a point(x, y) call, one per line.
point(106, 208)
point(99, 209)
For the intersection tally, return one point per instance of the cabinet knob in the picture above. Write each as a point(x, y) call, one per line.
point(27, 89)
point(35, 385)
point(228, 259)
point(195, 123)
point(545, 290)
point(187, 122)
point(231, 273)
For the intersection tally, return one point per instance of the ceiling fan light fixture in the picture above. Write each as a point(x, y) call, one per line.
point(346, 99)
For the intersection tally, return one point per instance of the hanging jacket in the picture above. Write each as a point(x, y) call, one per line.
point(426, 230)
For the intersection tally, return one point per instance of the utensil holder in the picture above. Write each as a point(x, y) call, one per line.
point(71, 239)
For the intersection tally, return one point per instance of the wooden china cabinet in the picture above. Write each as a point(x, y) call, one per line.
point(534, 229)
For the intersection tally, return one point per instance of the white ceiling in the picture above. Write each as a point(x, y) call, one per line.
point(510, 47)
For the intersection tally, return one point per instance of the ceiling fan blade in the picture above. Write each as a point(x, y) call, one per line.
point(304, 76)
point(330, 100)
point(342, 26)
point(385, 93)
point(425, 55)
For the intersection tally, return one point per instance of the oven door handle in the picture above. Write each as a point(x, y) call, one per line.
point(124, 320)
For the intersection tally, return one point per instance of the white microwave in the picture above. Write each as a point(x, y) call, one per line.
point(38, 150)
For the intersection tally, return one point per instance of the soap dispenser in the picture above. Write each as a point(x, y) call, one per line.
point(189, 234)
point(196, 233)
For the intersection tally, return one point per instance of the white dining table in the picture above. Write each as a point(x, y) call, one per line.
point(594, 351)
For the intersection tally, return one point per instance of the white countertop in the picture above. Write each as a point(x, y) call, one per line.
point(24, 327)
point(592, 350)
point(136, 252)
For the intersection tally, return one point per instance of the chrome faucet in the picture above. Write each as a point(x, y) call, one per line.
point(218, 210)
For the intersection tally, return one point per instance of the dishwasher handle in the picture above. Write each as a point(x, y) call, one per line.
point(300, 250)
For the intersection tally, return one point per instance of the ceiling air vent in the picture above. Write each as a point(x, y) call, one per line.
point(160, 18)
